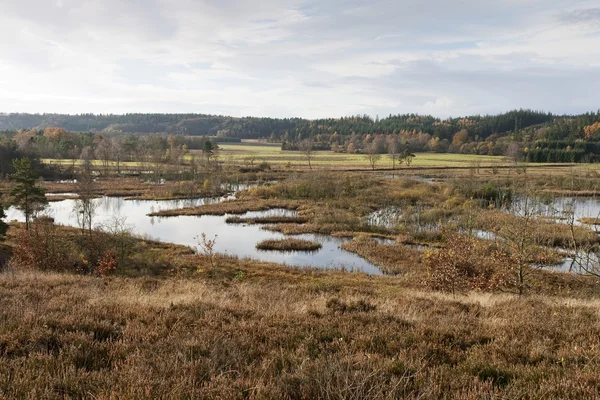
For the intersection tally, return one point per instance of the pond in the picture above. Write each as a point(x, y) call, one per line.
point(559, 209)
point(418, 178)
point(233, 239)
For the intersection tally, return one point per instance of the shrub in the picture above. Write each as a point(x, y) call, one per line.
point(464, 264)
point(43, 247)
point(108, 263)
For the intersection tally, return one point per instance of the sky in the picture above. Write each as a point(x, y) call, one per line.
point(288, 58)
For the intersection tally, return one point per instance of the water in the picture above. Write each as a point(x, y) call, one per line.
point(419, 178)
point(233, 239)
point(559, 209)
point(387, 217)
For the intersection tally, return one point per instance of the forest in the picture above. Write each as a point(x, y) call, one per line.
point(524, 135)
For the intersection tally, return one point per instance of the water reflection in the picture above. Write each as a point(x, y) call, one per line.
point(234, 239)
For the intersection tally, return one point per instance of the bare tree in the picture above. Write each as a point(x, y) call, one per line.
point(514, 151)
point(373, 155)
point(84, 207)
point(307, 148)
point(521, 239)
point(117, 152)
point(175, 151)
point(103, 153)
point(73, 154)
point(393, 148)
point(122, 235)
point(585, 252)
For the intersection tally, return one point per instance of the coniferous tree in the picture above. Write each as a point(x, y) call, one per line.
point(26, 195)
point(3, 225)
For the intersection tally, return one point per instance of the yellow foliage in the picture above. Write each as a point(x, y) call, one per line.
point(591, 131)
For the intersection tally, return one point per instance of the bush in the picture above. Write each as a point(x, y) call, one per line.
point(464, 264)
point(43, 247)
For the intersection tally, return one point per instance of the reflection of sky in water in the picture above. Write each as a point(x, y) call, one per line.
point(234, 239)
point(560, 207)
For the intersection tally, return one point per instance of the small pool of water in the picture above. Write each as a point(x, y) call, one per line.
point(234, 239)
point(419, 178)
point(559, 209)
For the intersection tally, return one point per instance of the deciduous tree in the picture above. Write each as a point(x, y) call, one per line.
point(306, 146)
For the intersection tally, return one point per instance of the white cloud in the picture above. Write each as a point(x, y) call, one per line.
point(298, 58)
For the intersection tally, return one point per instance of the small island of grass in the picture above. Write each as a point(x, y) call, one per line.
point(289, 245)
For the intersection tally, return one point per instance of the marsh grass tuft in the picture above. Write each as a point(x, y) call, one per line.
point(289, 245)
point(267, 220)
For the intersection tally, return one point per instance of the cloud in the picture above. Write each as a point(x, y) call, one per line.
point(298, 57)
point(589, 17)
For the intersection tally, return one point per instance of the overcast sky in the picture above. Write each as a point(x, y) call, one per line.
point(299, 58)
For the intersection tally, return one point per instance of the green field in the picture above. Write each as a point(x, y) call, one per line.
point(242, 152)
point(253, 153)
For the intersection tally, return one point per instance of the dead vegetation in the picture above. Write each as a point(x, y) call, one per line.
point(230, 207)
point(267, 220)
point(392, 259)
point(288, 245)
point(296, 335)
point(447, 321)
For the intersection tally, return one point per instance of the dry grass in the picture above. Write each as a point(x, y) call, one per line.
point(541, 231)
point(294, 335)
point(267, 220)
point(392, 259)
point(52, 199)
point(289, 245)
point(230, 207)
point(140, 189)
point(590, 221)
point(246, 329)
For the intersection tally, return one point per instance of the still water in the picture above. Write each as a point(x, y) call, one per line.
point(233, 239)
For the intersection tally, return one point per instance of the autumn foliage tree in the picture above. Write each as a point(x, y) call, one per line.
point(592, 131)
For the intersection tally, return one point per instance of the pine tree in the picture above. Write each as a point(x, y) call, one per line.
point(3, 225)
point(26, 196)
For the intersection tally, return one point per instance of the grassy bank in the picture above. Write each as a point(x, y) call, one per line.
point(267, 220)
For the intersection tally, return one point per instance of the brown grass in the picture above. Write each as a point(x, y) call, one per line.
point(140, 189)
point(247, 329)
point(267, 220)
point(318, 336)
point(590, 221)
point(289, 245)
point(230, 207)
point(52, 199)
point(392, 259)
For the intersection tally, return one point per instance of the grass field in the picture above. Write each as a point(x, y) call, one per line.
point(243, 152)
point(254, 153)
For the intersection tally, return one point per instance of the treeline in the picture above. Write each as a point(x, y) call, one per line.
point(58, 143)
point(295, 129)
point(563, 151)
point(485, 135)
